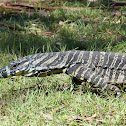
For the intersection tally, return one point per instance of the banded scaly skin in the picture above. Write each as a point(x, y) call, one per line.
point(100, 69)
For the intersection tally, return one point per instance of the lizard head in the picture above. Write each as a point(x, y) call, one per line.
point(15, 68)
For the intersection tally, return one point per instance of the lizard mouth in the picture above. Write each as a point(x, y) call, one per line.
point(3, 73)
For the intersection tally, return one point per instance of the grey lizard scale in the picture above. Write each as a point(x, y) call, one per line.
point(100, 69)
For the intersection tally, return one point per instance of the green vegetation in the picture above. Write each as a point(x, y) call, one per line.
point(97, 29)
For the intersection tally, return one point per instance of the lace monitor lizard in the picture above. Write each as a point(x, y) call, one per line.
point(100, 69)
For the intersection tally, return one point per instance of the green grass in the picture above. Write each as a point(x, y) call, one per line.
point(21, 103)
point(38, 108)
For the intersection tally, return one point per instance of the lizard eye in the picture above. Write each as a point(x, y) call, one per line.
point(14, 66)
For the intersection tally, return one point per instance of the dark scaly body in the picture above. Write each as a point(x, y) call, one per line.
point(101, 69)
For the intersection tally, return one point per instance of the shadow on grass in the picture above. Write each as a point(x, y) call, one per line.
point(61, 39)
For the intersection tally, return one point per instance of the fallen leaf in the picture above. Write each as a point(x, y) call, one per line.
point(58, 108)
point(116, 22)
point(23, 96)
point(35, 20)
point(90, 118)
point(61, 23)
point(74, 118)
point(48, 116)
point(47, 33)
point(110, 32)
point(70, 119)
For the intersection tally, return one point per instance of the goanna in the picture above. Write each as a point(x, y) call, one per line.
point(100, 69)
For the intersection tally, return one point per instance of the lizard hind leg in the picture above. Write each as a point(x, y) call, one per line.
point(115, 89)
point(97, 81)
point(94, 79)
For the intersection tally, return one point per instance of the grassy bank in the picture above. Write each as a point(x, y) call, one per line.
point(90, 28)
